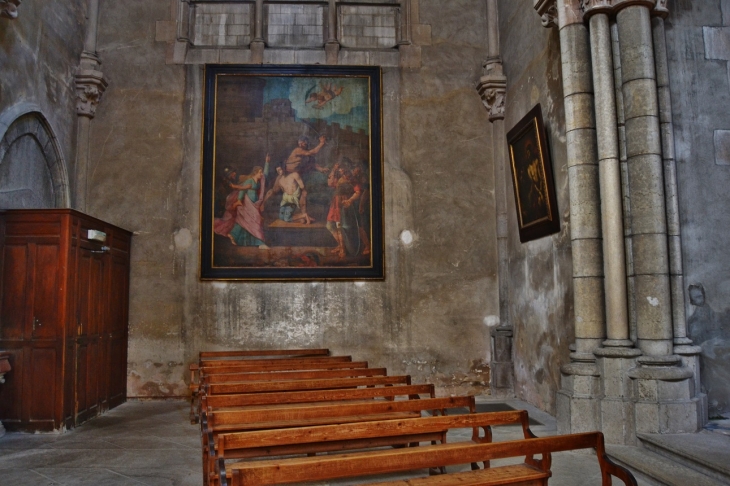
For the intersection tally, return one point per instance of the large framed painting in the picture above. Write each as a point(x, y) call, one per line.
point(292, 178)
point(532, 177)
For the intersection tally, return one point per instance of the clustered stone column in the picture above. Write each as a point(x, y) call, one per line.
point(635, 390)
point(492, 88)
point(332, 46)
point(9, 8)
point(90, 85)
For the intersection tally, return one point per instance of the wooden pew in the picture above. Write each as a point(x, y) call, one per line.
point(251, 353)
point(310, 384)
point(313, 396)
point(212, 363)
point(291, 375)
point(306, 415)
point(351, 465)
point(308, 396)
point(198, 373)
point(361, 435)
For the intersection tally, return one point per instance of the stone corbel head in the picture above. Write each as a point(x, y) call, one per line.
point(548, 12)
point(9, 8)
point(662, 9)
point(492, 88)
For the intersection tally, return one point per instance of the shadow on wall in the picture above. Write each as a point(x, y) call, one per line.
point(711, 330)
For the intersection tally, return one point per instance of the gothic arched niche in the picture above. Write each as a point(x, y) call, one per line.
point(32, 172)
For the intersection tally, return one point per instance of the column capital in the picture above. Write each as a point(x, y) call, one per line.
point(492, 88)
point(619, 5)
point(9, 8)
point(659, 8)
point(90, 85)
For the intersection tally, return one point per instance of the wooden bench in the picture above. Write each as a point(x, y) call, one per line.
point(248, 353)
point(309, 396)
point(199, 373)
point(306, 415)
point(310, 384)
point(362, 435)
point(290, 375)
point(351, 465)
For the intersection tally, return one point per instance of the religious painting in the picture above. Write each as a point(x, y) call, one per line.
point(532, 177)
point(292, 173)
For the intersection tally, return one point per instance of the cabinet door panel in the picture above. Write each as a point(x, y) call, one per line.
point(45, 292)
point(10, 392)
point(15, 286)
point(42, 372)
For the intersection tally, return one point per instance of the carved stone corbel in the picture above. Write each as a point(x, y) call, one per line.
point(548, 12)
point(662, 9)
point(90, 85)
point(492, 88)
point(9, 8)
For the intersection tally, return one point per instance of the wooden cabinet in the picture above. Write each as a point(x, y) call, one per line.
point(64, 302)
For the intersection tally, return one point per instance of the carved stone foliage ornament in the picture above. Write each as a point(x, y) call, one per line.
point(492, 88)
point(9, 8)
point(576, 11)
point(90, 85)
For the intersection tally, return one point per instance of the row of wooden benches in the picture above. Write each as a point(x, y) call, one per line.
point(274, 403)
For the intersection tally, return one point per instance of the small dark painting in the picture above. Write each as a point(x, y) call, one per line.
point(532, 176)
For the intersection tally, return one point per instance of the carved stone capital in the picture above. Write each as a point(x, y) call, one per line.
point(621, 4)
point(492, 88)
point(90, 85)
point(9, 8)
point(592, 7)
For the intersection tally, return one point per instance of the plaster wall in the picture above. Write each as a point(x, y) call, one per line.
point(540, 271)
point(428, 318)
point(39, 53)
point(698, 41)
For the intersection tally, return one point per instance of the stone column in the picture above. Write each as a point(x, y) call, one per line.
point(90, 85)
point(404, 30)
point(332, 46)
point(661, 387)
point(617, 355)
point(492, 88)
point(580, 384)
point(682, 343)
point(257, 44)
point(9, 9)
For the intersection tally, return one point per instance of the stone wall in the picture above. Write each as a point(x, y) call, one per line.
point(698, 40)
point(428, 318)
point(39, 52)
point(541, 294)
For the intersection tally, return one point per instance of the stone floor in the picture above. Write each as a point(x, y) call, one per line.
point(153, 443)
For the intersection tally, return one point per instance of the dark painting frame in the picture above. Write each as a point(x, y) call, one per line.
point(292, 173)
point(532, 178)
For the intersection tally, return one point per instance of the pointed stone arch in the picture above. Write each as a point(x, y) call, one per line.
point(33, 172)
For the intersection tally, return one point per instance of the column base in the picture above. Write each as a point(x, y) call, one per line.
point(332, 51)
point(502, 372)
point(257, 51)
point(617, 406)
point(577, 404)
point(690, 356)
point(665, 397)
